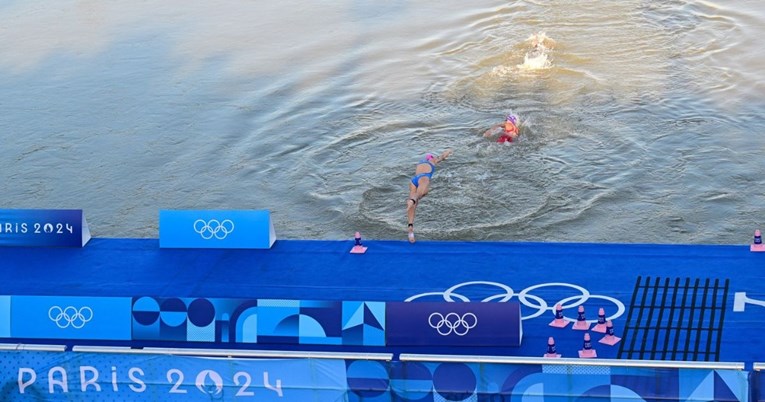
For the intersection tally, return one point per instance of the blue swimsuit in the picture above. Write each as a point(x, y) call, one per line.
point(416, 178)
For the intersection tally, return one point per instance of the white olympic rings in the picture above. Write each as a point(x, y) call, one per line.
point(70, 316)
point(620, 309)
point(505, 298)
point(527, 299)
point(453, 323)
point(213, 228)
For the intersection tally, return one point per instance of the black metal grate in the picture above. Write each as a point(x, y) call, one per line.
point(675, 320)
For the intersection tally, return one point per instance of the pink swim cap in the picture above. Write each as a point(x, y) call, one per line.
point(429, 157)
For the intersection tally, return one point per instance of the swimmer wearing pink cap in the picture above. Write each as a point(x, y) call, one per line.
point(420, 184)
point(508, 131)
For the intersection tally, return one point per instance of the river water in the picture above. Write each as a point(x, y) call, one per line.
point(645, 126)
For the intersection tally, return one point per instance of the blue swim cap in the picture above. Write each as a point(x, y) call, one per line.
point(512, 118)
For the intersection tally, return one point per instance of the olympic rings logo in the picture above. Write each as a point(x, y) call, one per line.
point(213, 228)
point(528, 300)
point(453, 323)
point(70, 316)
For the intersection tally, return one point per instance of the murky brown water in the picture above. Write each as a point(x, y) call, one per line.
point(647, 126)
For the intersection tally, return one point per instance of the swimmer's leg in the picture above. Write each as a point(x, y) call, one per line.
point(411, 202)
point(411, 207)
point(422, 191)
point(410, 210)
point(415, 195)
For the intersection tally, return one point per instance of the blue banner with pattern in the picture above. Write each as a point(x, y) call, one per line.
point(374, 381)
point(73, 376)
point(79, 376)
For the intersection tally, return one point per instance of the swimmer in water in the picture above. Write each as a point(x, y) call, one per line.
point(538, 57)
point(420, 184)
point(508, 131)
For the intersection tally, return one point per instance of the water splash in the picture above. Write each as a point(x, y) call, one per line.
point(536, 58)
point(539, 56)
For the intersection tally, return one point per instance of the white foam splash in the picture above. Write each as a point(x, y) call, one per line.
point(536, 58)
point(539, 55)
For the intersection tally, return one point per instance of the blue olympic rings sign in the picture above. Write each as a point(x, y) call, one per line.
point(70, 316)
point(213, 228)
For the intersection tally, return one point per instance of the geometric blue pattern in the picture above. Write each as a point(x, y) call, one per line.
point(104, 376)
point(262, 321)
point(422, 381)
point(363, 323)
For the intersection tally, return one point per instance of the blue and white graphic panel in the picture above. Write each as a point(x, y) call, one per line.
point(72, 376)
point(64, 317)
point(245, 229)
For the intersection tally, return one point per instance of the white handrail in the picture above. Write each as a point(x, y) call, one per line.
point(272, 354)
point(283, 354)
point(32, 347)
point(568, 361)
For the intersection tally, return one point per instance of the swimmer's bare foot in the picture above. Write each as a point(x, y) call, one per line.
point(411, 233)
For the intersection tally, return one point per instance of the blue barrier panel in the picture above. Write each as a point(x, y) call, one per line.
point(74, 376)
point(461, 381)
point(191, 320)
point(65, 317)
point(5, 316)
point(262, 321)
point(244, 229)
point(43, 227)
point(88, 376)
point(453, 324)
point(757, 381)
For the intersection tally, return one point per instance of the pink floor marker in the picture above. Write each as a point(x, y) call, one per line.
point(587, 351)
point(757, 243)
point(551, 353)
point(358, 248)
point(610, 338)
point(581, 323)
point(601, 325)
point(559, 321)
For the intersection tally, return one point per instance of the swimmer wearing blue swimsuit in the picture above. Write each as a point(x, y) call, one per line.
point(416, 178)
point(420, 184)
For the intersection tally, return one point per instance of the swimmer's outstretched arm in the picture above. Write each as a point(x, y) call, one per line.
point(493, 130)
point(443, 156)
